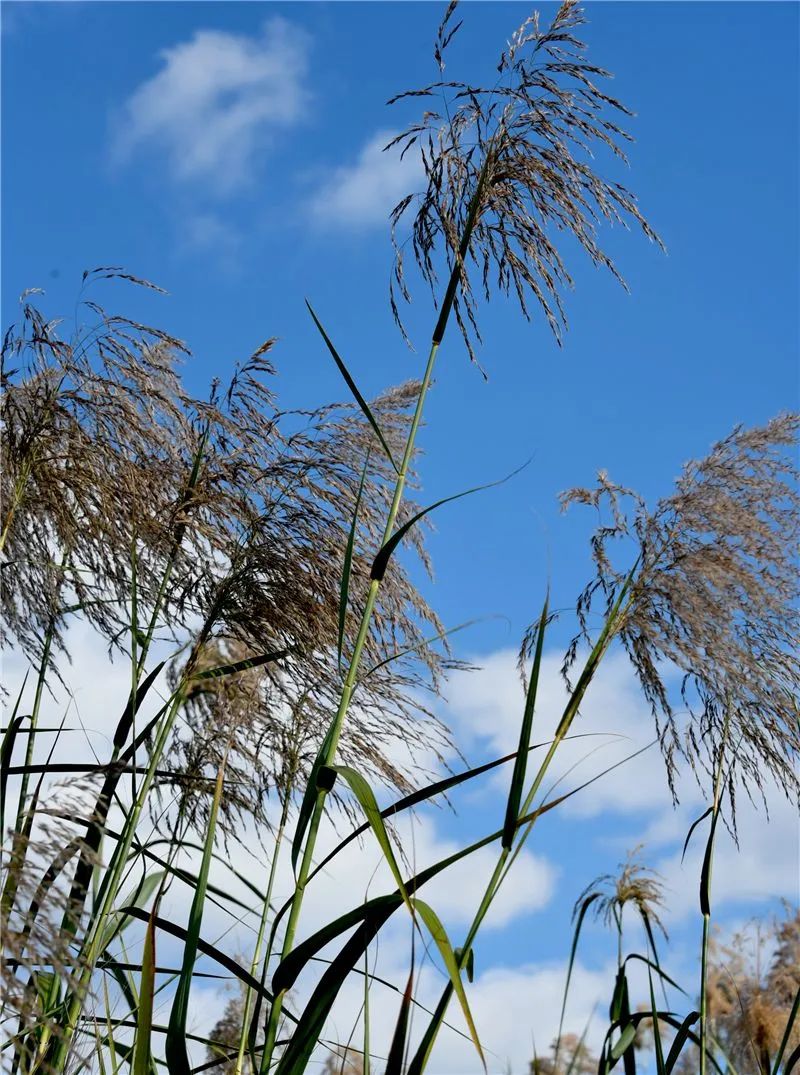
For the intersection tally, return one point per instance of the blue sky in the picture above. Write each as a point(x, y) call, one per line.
point(229, 152)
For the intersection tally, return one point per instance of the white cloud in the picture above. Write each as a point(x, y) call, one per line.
point(364, 193)
point(216, 101)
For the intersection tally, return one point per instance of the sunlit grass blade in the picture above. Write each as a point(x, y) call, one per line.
point(175, 1046)
point(366, 799)
point(692, 827)
point(684, 1034)
point(520, 763)
point(442, 941)
point(351, 384)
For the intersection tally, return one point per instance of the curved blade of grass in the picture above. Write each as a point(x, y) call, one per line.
point(421, 645)
point(241, 666)
point(792, 1062)
point(521, 761)
point(659, 1051)
point(344, 591)
point(585, 905)
point(95, 828)
point(351, 384)
point(175, 1046)
point(684, 1033)
point(134, 705)
point(652, 966)
point(624, 1042)
point(385, 553)
point(190, 878)
point(288, 970)
point(142, 1059)
point(439, 934)
point(394, 1061)
point(48, 879)
point(188, 845)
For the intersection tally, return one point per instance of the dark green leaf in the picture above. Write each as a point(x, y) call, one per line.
point(520, 763)
point(175, 1046)
point(386, 551)
point(351, 384)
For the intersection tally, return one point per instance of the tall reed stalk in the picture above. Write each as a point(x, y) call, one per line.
point(332, 739)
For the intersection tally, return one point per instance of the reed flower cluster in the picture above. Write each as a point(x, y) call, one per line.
point(714, 595)
point(104, 517)
point(518, 156)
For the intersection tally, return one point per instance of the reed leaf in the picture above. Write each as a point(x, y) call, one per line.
point(142, 1056)
point(175, 1046)
point(344, 590)
point(442, 941)
point(385, 553)
point(520, 762)
point(394, 1061)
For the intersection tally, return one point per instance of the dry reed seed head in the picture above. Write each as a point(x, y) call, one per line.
point(533, 134)
point(635, 885)
point(100, 441)
point(715, 596)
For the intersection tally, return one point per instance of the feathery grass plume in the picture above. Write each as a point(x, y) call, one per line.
point(99, 438)
point(93, 428)
point(753, 981)
point(635, 886)
point(535, 131)
point(715, 595)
